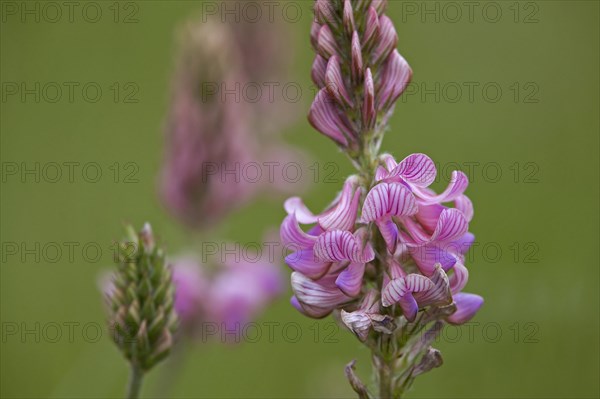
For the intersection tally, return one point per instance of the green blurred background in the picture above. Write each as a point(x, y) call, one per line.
point(544, 219)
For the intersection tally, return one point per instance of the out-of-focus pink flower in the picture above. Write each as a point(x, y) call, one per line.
point(214, 131)
point(191, 290)
point(229, 295)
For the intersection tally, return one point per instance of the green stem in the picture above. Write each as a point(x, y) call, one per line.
point(135, 382)
point(385, 382)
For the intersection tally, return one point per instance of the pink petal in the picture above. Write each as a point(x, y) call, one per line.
point(334, 82)
point(439, 293)
point(389, 232)
point(305, 262)
point(368, 112)
point(428, 216)
point(314, 34)
point(388, 199)
point(451, 225)
point(348, 17)
point(292, 235)
point(295, 206)
point(318, 71)
point(310, 311)
point(371, 33)
point(459, 278)
point(467, 306)
point(326, 42)
point(417, 283)
point(356, 58)
point(393, 291)
point(350, 280)
point(387, 40)
point(312, 293)
point(395, 78)
point(464, 204)
point(458, 184)
point(325, 117)
point(343, 214)
point(427, 256)
point(340, 245)
point(409, 307)
point(416, 169)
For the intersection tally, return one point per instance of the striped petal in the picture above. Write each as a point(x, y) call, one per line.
point(337, 245)
point(458, 184)
point(292, 235)
point(387, 42)
point(349, 280)
point(467, 306)
point(428, 256)
point(334, 82)
point(395, 78)
point(326, 45)
point(464, 204)
point(326, 118)
point(318, 71)
point(439, 293)
point(389, 232)
point(295, 206)
point(416, 169)
point(312, 293)
point(459, 278)
point(400, 287)
point(450, 226)
point(371, 33)
point(343, 215)
point(388, 199)
point(305, 262)
point(429, 215)
point(310, 311)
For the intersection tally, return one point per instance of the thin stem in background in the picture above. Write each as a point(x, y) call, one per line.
point(135, 382)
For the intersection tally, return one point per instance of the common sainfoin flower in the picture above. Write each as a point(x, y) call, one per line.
point(213, 131)
point(229, 295)
point(388, 254)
